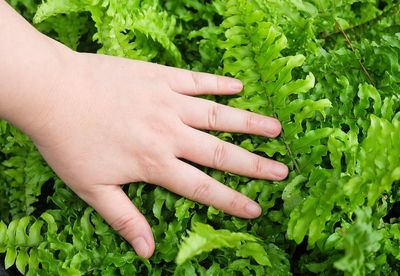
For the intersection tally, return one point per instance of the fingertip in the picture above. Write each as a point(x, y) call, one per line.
point(150, 242)
point(143, 243)
point(274, 128)
point(281, 171)
point(235, 85)
point(253, 210)
point(143, 246)
point(125, 218)
point(228, 85)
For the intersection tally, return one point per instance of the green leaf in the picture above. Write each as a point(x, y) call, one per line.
point(254, 250)
point(9, 260)
point(3, 231)
point(11, 230)
point(34, 236)
point(203, 238)
point(21, 237)
point(360, 240)
point(22, 260)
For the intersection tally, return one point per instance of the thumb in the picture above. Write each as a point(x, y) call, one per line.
point(117, 209)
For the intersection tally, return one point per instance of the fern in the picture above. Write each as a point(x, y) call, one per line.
point(328, 70)
point(20, 247)
point(205, 239)
point(253, 54)
point(128, 29)
point(23, 170)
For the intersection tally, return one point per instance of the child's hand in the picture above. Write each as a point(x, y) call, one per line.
point(101, 122)
point(112, 121)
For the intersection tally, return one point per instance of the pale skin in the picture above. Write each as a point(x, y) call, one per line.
point(101, 122)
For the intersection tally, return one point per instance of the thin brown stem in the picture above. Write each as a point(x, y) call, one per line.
point(394, 10)
point(295, 164)
point(363, 68)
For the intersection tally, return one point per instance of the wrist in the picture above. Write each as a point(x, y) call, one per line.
point(29, 93)
point(32, 68)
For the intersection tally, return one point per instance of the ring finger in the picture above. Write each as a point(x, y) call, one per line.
point(210, 151)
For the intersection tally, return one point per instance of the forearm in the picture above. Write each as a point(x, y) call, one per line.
point(31, 66)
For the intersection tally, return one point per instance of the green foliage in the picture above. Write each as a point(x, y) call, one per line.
point(328, 70)
point(361, 242)
point(205, 239)
point(23, 170)
point(134, 29)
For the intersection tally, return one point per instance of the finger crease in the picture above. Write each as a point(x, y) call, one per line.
point(123, 223)
point(212, 117)
point(196, 83)
point(258, 166)
point(234, 203)
point(201, 192)
point(250, 121)
point(219, 156)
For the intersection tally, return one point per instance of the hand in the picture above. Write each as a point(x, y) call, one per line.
point(111, 121)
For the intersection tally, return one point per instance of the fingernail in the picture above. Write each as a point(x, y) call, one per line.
point(141, 247)
point(273, 127)
point(253, 209)
point(281, 171)
point(236, 85)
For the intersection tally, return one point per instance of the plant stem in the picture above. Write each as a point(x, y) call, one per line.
point(364, 69)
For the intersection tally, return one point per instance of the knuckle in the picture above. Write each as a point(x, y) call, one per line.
point(251, 122)
point(151, 167)
point(219, 155)
point(85, 194)
point(158, 129)
point(219, 83)
point(196, 82)
point(86, 190)
point(235, 202)
point(125, 223)
point(258, 165)
point(213, 114)
point(202, 192)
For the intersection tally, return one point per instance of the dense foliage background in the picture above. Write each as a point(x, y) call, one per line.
point(329, 70)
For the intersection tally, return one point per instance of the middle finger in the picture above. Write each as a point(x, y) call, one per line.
point(205, 114)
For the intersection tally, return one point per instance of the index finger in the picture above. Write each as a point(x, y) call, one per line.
point(196, 83)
